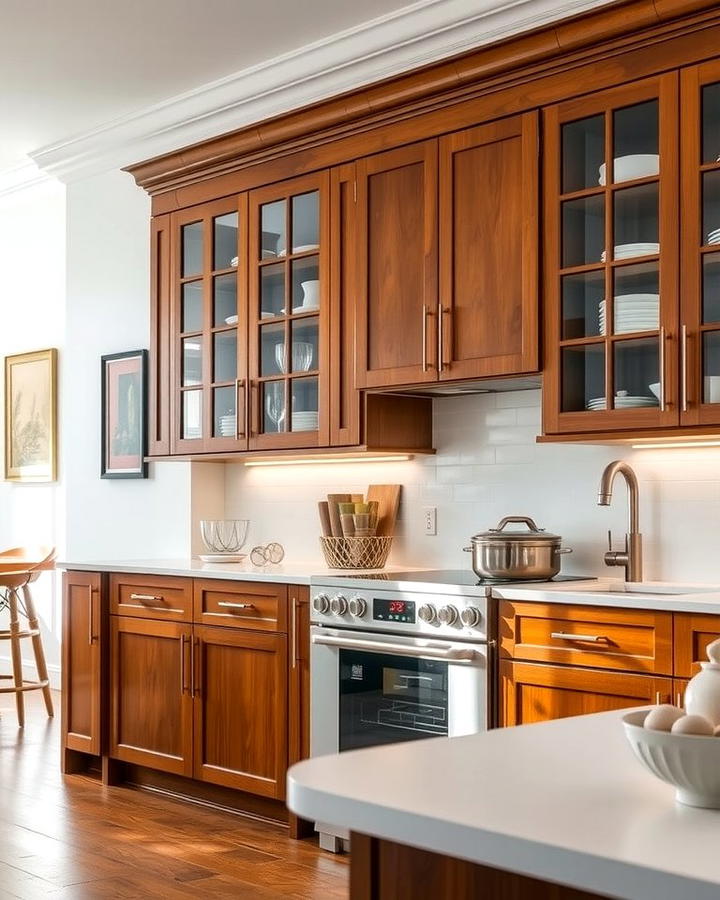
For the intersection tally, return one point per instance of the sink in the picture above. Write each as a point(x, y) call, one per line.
point(640, 589)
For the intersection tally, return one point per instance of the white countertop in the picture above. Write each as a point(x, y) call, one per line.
point(564, 801)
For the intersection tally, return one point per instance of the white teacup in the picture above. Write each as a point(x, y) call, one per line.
point(311, 294)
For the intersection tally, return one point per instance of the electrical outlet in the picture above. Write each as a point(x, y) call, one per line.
point(430, 519)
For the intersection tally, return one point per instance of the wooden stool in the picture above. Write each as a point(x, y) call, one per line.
point(18, 568)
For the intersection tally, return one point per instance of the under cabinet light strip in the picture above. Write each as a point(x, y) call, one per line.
point(675, 445)
point(314, 461)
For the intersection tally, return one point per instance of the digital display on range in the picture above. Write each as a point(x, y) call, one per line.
point(393, 610)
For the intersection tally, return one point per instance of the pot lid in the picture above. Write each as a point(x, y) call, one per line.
point(530, 534)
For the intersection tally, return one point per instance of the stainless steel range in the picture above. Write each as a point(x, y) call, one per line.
point(395, 658)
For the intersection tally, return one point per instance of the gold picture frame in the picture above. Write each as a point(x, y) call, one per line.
point(31, 416)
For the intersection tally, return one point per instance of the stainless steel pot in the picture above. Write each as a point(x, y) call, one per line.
point(532, 555)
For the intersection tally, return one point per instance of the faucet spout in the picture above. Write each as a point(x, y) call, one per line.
point(632, 557)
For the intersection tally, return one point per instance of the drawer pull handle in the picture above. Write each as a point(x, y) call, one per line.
point(146, 598)
point(585, 638)
point(228, 604)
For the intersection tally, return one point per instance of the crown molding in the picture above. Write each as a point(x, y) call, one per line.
point(21, 177)
point(417, 35)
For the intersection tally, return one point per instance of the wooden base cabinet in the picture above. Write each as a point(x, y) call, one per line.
point(537, 693)
point(240, 709)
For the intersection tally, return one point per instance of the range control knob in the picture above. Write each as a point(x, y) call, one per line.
point(471, 616)
point(357, 607)
point(447, 615)
point(338, 605)
point(321, 603)
point(427, 613)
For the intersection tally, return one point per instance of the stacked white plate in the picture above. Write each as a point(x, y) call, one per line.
point(228, 425)
point(633, 312)
point(635, 165)
point(624, 402)
point(626, 251)
point(714, 236)
point(304, 421)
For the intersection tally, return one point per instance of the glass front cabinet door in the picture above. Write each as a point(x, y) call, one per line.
point(700, 260)
point(208, 328)
point(611, 260)
point(288, 314)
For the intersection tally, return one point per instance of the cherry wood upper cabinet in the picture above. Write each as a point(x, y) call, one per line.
point(611, 230)
point(488, 311)
point(397, 266)
point(82, 656)
point(240, 684)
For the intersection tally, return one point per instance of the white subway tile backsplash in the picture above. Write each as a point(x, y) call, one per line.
point(488, 465)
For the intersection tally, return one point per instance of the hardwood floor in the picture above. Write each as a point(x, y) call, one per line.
point(71, 838)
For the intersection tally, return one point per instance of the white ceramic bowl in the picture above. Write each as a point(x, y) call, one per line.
point(635, 165)
point(655, 388)
point(691, 763)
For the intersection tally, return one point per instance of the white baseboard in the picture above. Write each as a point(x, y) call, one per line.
point(30, 672)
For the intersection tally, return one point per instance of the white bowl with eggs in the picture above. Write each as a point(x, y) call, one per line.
point(688, 761)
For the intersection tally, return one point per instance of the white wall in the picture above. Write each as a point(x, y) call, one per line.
point(32, 317)
point(488, 465)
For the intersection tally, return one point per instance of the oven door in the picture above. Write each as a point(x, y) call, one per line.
point(370, 689)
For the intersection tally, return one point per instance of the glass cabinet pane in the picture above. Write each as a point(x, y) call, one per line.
point(272, 291)
point(583, 231)
point(636, 299)
point(304, 404)
point(192, 414)
point(225, 241)
point(636, 221)
point(711, 367)
point(711, 288)
point(583, 377)
point(583, 299)
point(637, 383)
point(224, 412)
point(272, 227)
point(273, 350)
point(192, 249)
point(192, 306)
point(192, 361)
point(225, 300)
point(305, 284)
point(583, 154)
point(305, 222)
point(305, 345)
point(225, 356)
point(711, 208)
point(711, 123)
point(274, 407)
point(636, 142)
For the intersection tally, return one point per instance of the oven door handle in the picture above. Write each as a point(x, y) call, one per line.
point(456, 655)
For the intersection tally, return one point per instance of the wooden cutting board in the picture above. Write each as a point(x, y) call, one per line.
point(388, 499)
point(324, 512)
point(335, 523)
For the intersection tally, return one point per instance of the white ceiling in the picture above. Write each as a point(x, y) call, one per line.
point(69, 66)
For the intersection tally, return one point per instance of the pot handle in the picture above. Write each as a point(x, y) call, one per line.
point(563, 549)
point(526, 520)
point(467, 549)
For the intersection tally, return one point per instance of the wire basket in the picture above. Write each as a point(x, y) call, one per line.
point(356, 552)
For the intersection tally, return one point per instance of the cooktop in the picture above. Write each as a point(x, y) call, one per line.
point(453, 576)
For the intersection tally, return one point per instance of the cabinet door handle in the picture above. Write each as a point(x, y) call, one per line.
point(183, 638)
point(91, 616)
point(583, 638)
point(679, 698)
point(228, 604)
point(684, 366)
point(254, 409)
point(146, 598)
point(293, 635)
point(197, 668)
point(425, 313)
point(239, 389)
point(662, 370)
point(440, 314)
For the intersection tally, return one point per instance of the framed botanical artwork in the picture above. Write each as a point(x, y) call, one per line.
point(31, 416)
point(124, 415)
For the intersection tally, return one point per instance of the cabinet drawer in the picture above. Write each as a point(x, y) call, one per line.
point(629, 640)
point(151, 597)
point(692, 635)
point(241, 604)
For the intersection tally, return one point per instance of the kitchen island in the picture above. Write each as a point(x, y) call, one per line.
point(559, 809)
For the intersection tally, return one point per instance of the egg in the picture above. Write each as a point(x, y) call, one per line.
point(693, 725)
point(663, 717)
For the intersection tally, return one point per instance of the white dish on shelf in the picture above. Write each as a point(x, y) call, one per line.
point(306, 248)
point(627, 251)
point(231, 320)
point(267, 254)
point(655, 388)
point(627, 168)
point(600, 403)
point(223, 557)
point(234, 262)
point(303, 308)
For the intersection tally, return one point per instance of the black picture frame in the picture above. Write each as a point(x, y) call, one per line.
point(124, 411)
